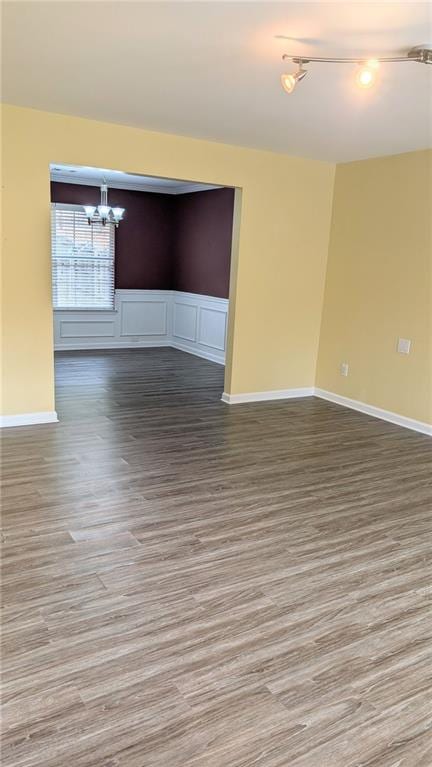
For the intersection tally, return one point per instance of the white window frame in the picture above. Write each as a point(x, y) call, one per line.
point(79, 208)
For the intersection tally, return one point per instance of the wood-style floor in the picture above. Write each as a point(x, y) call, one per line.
point(189, 584)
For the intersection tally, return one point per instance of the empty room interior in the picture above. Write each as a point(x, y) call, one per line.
point(159, 280)
point(216, 409)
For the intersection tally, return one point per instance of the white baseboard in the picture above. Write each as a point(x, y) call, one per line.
point(28, 419)
point(198, 352)
point(361, 407)
point(111, 345)
point(264, 396)
point(376, 412)
point(142, 345)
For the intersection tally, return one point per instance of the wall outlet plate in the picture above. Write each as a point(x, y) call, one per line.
point(344, 368)
point(404, 345)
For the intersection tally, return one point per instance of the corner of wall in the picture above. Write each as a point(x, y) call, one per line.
point(326, 276)
point(378, 286)
point(235, 245)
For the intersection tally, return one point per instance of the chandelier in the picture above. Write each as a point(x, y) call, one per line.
point(103, 213)
point(367, 71)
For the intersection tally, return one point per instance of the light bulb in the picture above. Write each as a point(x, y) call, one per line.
point(289, 82)
point(118, 213)
point(89, 210)
point(103, 211)
point(365, 77)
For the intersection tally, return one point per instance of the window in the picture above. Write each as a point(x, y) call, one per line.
point(82, 260)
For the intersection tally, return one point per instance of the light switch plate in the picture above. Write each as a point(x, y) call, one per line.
point(404, 346)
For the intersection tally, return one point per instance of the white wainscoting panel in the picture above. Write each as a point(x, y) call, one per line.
point(142, 318)
point(212, 327)
point(200, 325)
point(85, 328)
point(184, 320)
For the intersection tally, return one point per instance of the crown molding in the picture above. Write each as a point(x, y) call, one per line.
point(186, 188)
point(183, 188)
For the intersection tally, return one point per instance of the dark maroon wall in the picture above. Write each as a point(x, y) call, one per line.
point(167, 242)
point(144, 239)
point(203, 236)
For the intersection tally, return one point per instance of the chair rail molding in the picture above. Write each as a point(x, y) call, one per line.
point(144, 318)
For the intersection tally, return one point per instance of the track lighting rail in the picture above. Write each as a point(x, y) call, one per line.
point(366, 74)
point(421, 55)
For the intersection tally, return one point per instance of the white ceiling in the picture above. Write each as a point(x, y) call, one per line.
point(117, 179)
point(211, 70)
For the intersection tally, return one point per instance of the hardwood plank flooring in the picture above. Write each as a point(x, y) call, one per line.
point(189, 584)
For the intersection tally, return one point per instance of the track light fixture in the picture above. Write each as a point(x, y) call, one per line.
point(289, 81)
point(368, 68)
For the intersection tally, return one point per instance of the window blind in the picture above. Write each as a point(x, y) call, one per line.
point(82, 260)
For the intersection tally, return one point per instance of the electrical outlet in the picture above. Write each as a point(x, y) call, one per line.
point(344, 368)
point(404, 346)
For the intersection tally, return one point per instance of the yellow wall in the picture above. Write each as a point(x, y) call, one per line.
point(378, 283)
point(379, 286)
point(283, 242)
